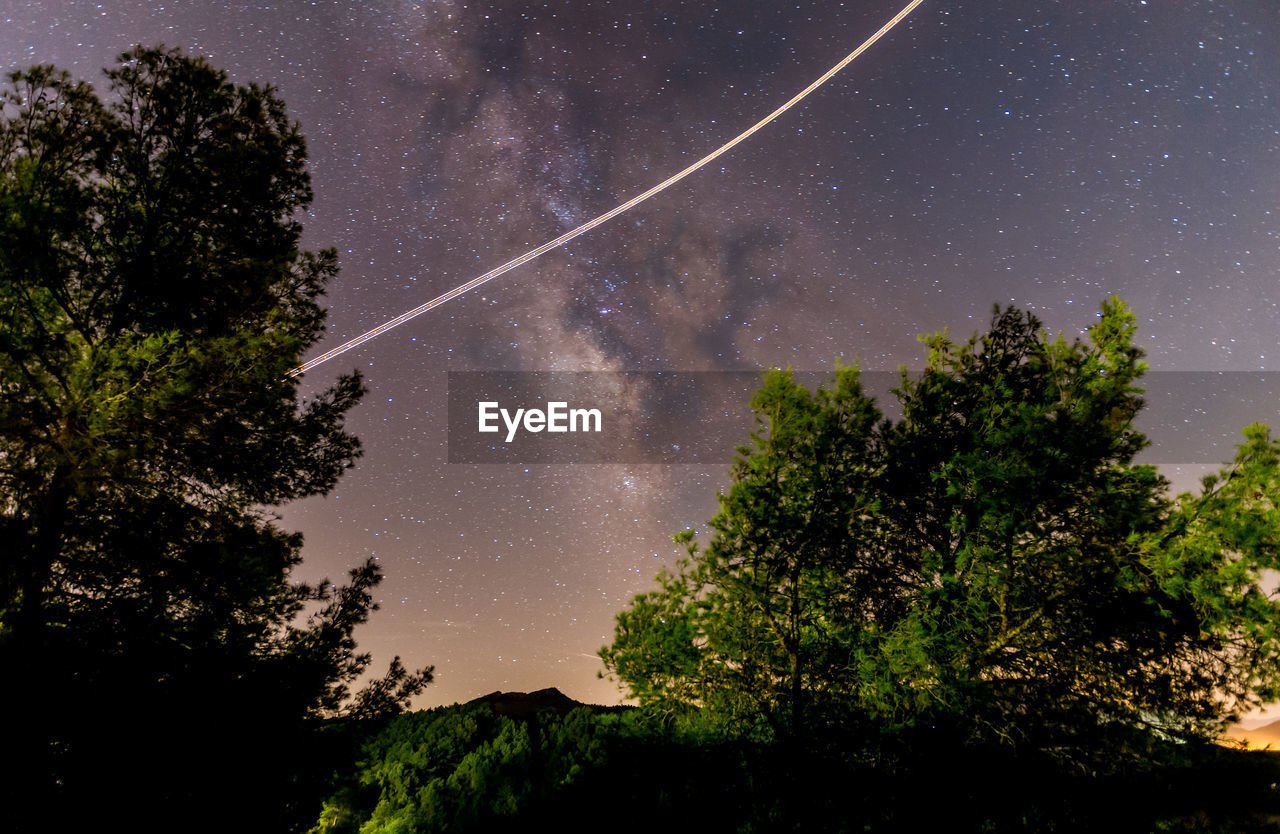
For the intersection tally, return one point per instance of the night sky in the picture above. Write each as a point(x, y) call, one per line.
point(1044, 154)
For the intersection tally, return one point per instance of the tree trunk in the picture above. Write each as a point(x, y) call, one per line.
point(29, 698)
point(797, 710)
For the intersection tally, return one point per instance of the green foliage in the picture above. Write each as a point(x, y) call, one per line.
point(786, 562)
point(993, 561)
point(153, 295)
point(464, 769)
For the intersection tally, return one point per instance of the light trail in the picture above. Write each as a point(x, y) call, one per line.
point(608, 215)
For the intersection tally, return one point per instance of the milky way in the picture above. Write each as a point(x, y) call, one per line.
point(1045, 154)
point(574, 233)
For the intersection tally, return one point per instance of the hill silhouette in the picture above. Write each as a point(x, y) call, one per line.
point(526, 704)
point(1257, 738)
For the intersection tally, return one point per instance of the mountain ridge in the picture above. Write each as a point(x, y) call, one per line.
point(526, 704)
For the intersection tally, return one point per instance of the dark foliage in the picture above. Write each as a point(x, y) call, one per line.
point(159, 663)
point(994, 562)
point(467, 769)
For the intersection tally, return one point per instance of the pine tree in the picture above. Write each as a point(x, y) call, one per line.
point(993, 562)
point(153, 295)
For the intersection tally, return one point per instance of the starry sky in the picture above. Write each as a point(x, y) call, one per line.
point(1045, 154)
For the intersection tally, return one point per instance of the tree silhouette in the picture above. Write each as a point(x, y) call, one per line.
point(782, 573)
point(153, 295)
point(992, 562)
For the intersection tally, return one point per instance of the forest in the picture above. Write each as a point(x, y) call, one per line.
point(981, 615)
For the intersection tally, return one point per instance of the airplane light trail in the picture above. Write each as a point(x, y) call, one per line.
point(609, 215)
